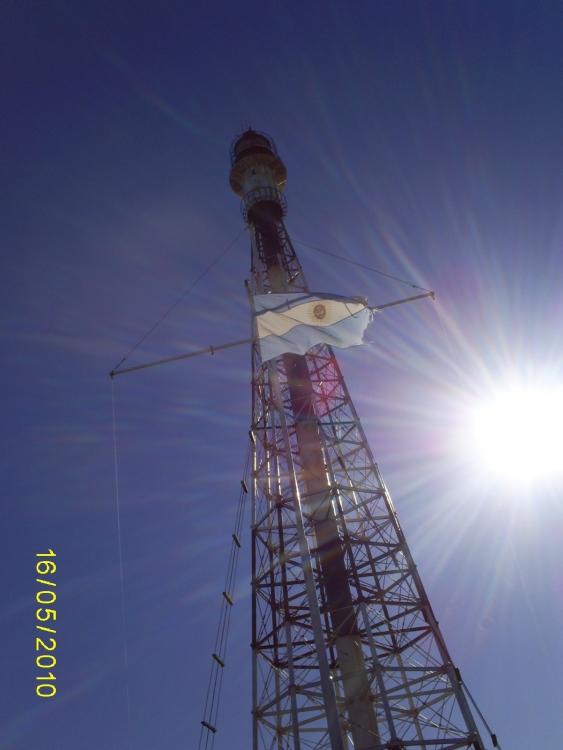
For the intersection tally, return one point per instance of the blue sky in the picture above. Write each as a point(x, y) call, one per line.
point(422, 139)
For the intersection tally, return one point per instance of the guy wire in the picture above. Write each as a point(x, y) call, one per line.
point(361, 265)
point(213, 695)
point(199, 278)
point(121, 568)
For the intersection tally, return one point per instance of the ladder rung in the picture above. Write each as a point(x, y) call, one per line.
point(217, 659)
point(228, 598)
point(208, 726)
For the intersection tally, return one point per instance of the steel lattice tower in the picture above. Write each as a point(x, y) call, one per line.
point(347, 652)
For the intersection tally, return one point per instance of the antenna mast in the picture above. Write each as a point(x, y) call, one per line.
point(347, 653)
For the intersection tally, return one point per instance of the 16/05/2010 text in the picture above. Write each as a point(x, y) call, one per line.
point(46, 688)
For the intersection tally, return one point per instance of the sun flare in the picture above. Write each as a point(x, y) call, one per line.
point(519, 434)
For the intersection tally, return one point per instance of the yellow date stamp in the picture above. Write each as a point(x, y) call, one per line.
point(46, 688)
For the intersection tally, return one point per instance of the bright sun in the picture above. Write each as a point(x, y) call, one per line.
point(519, 434)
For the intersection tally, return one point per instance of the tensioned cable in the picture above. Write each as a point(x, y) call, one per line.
point(216, 676)
point(121, 568)
point(488, 728)
point(189, 289)
point(211, 710)
point(465, 688)
point(361, 265)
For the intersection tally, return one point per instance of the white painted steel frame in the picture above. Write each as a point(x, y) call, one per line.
point(297, 695)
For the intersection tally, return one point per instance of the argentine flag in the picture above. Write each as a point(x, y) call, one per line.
point(296, 321)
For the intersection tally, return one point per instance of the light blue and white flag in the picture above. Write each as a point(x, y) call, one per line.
point(296, 321)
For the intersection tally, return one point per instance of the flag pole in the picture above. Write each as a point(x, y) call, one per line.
point(401, 301)
point(213, 349)
point(210, 350)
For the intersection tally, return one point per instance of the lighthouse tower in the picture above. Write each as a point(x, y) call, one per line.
point(346, 650)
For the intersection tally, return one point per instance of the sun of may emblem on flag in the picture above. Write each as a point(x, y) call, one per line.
point(296, 321)
point(319, 313)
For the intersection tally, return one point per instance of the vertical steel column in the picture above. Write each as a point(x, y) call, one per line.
point(329, 549)
point(327, 687)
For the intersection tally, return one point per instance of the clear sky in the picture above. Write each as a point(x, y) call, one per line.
point(423, 139)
